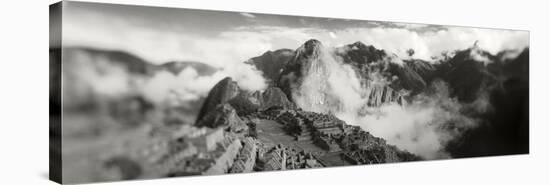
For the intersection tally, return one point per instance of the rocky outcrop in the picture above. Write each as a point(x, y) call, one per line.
point(381, 94)
point(274, 97)
point(227, 98)
point(224, 115)
point(245, 103)
point(422, 68)
point(221, 93)
point(359, 54)
point(407, 78)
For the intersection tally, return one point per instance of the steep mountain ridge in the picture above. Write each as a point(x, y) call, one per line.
point(371, 65)
point(271, 63)
point(423, 68)
point(135, 64)
point(467, 73)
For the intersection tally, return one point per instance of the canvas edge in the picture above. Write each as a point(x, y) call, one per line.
point(55, 60)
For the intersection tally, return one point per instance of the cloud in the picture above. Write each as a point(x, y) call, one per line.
point(226, 51)
point(87, 75)
point(424, 126)
point(427, 43)
point(248, 15)
point(332, 35)
point(328, 86)
point(410, 26)
point(186, 85)
point(166, 87)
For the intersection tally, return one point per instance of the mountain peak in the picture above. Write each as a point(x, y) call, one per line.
point(311, 48)
point(221, 93)
point(226, 80)
point(313, 41)
point(359, 45)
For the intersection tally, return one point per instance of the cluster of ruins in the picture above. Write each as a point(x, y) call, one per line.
point(281, 157)
point(186, 151)
point(334, 136)
point(323, 130)
point(191, 150)
point(301, 159)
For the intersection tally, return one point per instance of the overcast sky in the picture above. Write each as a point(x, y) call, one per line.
point(223, 38)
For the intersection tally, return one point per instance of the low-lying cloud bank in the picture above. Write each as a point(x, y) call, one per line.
point(225, 52)
point(87, 75)
point(189, 85)
point(424, 126)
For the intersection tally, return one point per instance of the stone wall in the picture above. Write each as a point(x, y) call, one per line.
point(225, 161)
point(247, 157)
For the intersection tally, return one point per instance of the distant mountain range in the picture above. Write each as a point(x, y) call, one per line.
point(470, 73)
point(464, 72)
point(136, 65)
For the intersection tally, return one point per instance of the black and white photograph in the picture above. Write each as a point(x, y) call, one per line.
point(142, 92)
